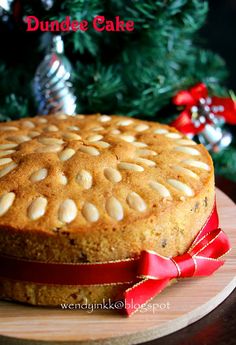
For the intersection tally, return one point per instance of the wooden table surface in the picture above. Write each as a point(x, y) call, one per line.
point(218, 327)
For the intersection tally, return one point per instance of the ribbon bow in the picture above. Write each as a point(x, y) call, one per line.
point(147, 274)
point(156, 271)
point(197, 97)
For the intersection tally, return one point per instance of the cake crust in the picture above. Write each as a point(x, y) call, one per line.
point(96, 188)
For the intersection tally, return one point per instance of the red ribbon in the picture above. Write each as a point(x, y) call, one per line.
point(149, 273)
point(191, 97)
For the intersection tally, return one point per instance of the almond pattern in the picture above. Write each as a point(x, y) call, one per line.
point(51, 128)
point(160, 188)
point(28, 124)
point(73, 128)
point(125, 122)
point(67, 211)
point(33, 134)
point(187, 150)
point(181, 187)
point(8, 128)
point(104, 118)
point(130, 166)
point(197, 164)
point(90, 212)
point(136, 202)
point(97, 128)
point(7, 146)
point(19, 139)
point(146, 152)
point(4, 171)
point(141, 127)
point(6, 153)
point(173, 135)
point(72, 136)
point(145, 161)
point(115, 131)
point(139, 144)
point(102, 144)
point(42, 120)
point(85, 179)
point(114, 208)
point(62, 179)
point(50, 141)
point(186, 142)
point(128, 138)
point(39, 175)
point(127, 147)
point(37, 208)
point(50, 148)
point(185, 171)
point(112, 175)
point(66, 154)
point(95, 137)
point(4, 161)
point(6, 201)
point(92, 151)
point(160, 131)
point(61, 116)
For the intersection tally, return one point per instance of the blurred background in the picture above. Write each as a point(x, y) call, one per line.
point(176, 45)
point(220, 34)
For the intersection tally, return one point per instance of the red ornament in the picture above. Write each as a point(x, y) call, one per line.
point(200, 109)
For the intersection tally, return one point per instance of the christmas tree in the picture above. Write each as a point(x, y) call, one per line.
point(132, 73)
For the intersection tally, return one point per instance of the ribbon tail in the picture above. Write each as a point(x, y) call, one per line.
point(142, 292)
point(206, 266)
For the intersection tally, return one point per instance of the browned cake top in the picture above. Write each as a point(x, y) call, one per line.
point(78, 172)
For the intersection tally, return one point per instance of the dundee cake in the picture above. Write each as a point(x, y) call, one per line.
point(96, 188)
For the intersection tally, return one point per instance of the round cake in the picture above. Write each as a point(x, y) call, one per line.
point(96, 188)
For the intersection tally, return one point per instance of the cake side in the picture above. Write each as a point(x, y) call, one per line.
point(168, 233)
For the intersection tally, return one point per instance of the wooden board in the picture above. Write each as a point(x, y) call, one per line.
point(176, 307)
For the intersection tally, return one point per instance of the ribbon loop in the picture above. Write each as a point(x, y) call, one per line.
point(214, 244)
point(155, 266)
point(185, 264)
point(156, 271)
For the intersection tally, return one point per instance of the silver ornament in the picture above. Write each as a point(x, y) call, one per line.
point(212, 136)
point(52, 85)
point(47, 4)
point(5, 5)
